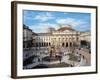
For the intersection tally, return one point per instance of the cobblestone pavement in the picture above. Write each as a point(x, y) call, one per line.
point(84, 54)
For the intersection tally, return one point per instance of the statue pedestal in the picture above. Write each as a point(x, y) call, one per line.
point(50, 59)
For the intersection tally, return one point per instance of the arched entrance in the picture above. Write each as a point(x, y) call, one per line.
point(70, 44)
point(66, 44)
point(63, 44)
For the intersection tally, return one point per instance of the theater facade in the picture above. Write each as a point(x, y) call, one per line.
point(63, 37)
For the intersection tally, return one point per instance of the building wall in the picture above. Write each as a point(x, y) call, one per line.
point(65, 39)
point(27, 37)
point(85, 38)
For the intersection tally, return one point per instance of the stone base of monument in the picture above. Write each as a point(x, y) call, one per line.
point(51, 59)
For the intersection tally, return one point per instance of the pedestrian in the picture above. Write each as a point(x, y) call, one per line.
point(39, 60)
point(60, 58)
point(71, 65)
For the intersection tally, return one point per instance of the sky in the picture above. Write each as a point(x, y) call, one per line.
point(40, 21)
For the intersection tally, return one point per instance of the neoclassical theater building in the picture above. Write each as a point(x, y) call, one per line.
point(63, 37)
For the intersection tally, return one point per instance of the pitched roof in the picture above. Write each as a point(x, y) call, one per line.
point(26, 27)
point(44, 34)
point(34, 33)
point(65, 28)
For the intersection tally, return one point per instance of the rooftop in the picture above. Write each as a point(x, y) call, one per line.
point(44, 34)
point(26, 27)
point(65, 28)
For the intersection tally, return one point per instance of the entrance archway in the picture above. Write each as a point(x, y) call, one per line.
point(63, 44)
point(70, 44)
point(66, 44)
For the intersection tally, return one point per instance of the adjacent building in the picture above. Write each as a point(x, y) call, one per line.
point(85, 38)
point(27, 37)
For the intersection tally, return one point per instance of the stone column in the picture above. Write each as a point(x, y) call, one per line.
point(72, 44)
point(68, 44)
